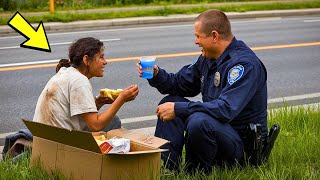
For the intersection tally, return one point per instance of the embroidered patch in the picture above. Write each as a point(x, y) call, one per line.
point(235, 73)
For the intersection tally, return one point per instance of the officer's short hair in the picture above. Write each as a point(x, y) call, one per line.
point(215, 20)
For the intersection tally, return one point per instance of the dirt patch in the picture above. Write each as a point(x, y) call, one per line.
point(77, 97)
point(46, 110)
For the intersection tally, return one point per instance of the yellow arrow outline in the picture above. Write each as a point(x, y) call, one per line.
point(26, 36)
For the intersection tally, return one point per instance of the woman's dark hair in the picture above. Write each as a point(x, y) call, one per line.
point(85, 46)
point(62, 63)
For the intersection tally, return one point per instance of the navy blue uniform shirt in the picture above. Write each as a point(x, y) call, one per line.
point(233, 87)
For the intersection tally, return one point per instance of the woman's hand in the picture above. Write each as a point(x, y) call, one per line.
point(103, 100)
point(129, 94)
point(100, 101)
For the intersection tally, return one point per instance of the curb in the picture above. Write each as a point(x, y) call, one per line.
point(99, 24)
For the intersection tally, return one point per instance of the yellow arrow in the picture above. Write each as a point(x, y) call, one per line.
point(36, 39)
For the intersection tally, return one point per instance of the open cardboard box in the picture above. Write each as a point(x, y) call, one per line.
point(77, 155)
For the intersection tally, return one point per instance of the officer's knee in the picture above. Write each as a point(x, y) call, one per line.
point(197, 122)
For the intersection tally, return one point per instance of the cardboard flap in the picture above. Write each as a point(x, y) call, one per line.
point(145, 139)
point(79, 139)
point(140, 152)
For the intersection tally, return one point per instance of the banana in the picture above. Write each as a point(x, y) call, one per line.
point(110, 93)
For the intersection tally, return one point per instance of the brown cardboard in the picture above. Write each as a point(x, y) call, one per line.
point(144, 139)
point(77, 155)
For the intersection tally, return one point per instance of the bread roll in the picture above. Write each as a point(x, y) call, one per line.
point(110, 93)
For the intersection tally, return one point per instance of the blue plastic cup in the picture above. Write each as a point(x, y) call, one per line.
point(147, 64)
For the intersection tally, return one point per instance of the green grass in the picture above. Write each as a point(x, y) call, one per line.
point(165, 11)
point(295, 154)
point(43, 5)
point(23, 170)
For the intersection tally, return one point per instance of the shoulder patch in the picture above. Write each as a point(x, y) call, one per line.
point(235, 73)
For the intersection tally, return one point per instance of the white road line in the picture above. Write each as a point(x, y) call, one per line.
point(62, 43)
point(29, 63)
point(138, 119)
point(9, 47)
point(293, 98)
point(269, 19)
point(313, 20)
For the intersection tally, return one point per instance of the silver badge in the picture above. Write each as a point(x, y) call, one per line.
point(217, 79)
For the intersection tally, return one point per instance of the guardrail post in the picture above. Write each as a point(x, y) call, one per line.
point(51, 2)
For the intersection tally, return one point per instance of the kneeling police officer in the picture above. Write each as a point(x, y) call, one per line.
point(233, 83)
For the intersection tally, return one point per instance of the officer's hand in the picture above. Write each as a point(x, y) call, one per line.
point(165, 111)
point(139, 69)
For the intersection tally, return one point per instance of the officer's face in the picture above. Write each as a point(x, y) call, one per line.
point(204, 41)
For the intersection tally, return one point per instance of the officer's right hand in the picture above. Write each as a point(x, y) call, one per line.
point(165, 111)
point(139, 69)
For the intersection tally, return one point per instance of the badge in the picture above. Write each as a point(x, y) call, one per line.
point(235, 73)
point(201, 79)
point(217, 79)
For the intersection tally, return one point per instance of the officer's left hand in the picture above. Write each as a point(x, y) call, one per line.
point(165, 111)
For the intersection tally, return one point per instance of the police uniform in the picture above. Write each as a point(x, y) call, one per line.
point(234, 93)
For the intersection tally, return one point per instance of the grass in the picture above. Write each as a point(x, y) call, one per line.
point(22, 170)
point(43, 5)
point(164, 11)
point(295, 154)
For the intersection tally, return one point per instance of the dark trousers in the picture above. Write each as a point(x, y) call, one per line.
point(207, 141)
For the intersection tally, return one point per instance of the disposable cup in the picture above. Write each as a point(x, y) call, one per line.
point(147, 64)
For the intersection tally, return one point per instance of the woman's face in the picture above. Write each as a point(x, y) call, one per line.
point(96, 66)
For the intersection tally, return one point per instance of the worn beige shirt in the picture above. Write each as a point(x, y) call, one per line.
point(66, 95)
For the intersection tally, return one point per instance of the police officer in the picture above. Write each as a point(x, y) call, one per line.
point(232, 82)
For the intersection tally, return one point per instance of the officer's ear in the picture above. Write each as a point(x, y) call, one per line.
point(215, 36)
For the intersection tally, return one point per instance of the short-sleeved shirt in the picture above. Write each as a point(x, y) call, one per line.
point(67, 94)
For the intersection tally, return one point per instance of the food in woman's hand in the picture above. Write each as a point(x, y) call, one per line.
point(110, 93)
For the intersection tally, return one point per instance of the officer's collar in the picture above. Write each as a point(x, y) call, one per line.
point(226, 52)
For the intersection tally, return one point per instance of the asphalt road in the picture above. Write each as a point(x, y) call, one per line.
point(292, 71)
